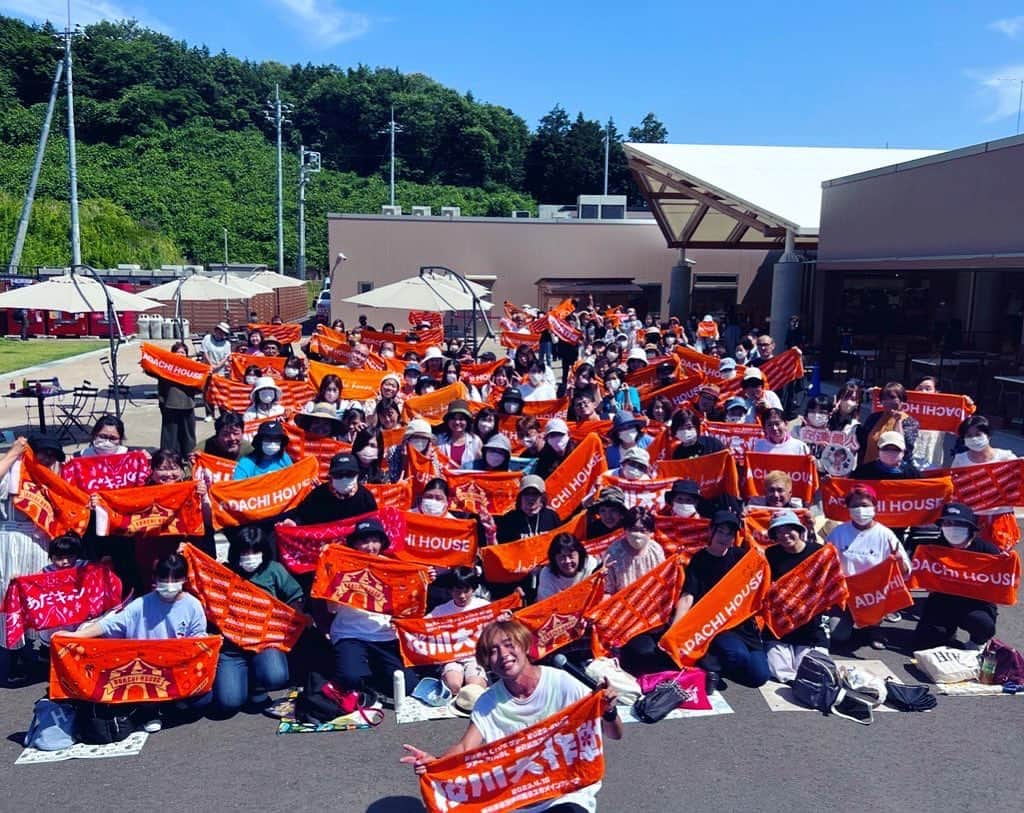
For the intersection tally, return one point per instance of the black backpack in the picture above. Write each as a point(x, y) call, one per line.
point(312, 705)
point(103, 723)
point(817, 684)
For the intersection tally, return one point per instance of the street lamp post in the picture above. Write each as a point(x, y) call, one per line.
point(225, 248)
point(275, 112)
point(309, 162)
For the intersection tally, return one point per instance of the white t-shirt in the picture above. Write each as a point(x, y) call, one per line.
point(862, 550)
point(961, 459)
point(450, 608)
point(350, 622)
point(497, 714)
point(790, 445)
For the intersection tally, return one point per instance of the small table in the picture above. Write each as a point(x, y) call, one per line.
point(40, 391)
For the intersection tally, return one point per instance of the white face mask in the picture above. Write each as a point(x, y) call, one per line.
point(512, 407)
point(613, 384)
point(558, 442)
point(270, 447)
point(169, 590)
point(628, 436)
point(536, 379)
point(686, 436)
point(741, 356)
point(450, 378)
point(612, 354)
point(420, 444)
point(251, 380)
point(250, 561)
point(343, 485)
point(817, 419)
point(862, 514)
point(977, 443)
point(104, 446)
point(631, 472)
point(387, 354)
point(494, 459)
point(636, 539)
point(433, 507)
point(485, 425)
point(734, 417)
point(956, 535)
point(267, 396)
point(890, 458)
point(684, 509)
point(292, 373)
point(367, 455)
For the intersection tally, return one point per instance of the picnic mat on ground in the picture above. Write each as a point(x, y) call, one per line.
point(971, 688)
point(129, 747)
point(413, 711)
point(346, 722)
point(779, 696)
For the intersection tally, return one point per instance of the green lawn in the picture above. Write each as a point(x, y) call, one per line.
point(16, 355)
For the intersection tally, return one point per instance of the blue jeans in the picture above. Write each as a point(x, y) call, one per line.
point(730, 656)
point(245, 676)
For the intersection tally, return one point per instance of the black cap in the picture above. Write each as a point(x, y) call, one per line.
point(958, 512)
point(666, 367)
point(725, 518)
point(512, 394)
point(344, 463)
point(683, 488)
point(368, 527)
point(39, 442)
point(270, 429)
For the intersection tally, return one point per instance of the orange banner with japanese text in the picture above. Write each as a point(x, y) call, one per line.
point(127, 670)
point(432, 406)
point(715, 474)
point(802, 470)
point(547, 760)
point(900, 502)
point(173, 367)
point(577, 476)
point(212, 469)
point(876, 592)
point(247, 615)
point(560, 619)
point(54, 505)
point(371, 583)
point(981, 576)
point(173, 509)
point(493, 491)
point(737, 438)
point(936, 411)
point(737, 596)
point(813, 587)
point(447, 638)
point(438, 541)
point(265, 497)
point(644, 605)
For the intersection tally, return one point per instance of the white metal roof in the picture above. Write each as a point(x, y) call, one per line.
point(779, 187)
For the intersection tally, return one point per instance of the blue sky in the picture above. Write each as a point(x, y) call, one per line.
point(903, 73)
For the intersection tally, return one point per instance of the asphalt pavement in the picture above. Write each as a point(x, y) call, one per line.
point(964, 756)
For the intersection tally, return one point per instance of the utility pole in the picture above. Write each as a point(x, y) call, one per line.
point(275, 112)
point(30, 194)
point(607, 147)
point(76, 239)
point(309, 162)
point(391, 129)
point(225, 248)
point(1020, 93)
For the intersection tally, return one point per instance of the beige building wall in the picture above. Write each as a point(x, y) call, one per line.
point(517, 252)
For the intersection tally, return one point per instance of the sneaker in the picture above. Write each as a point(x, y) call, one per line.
point(152, 726)
point(207, 419)
point(894, 618)
point(877, 643)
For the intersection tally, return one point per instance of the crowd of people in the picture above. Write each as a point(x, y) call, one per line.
point(379, 409)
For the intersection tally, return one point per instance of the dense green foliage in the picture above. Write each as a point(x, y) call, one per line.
point(178, 138)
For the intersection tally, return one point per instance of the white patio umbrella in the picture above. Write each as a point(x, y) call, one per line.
point(271, 279)
point(195, 288)
point(74, 293)
point(243, 284)
point(422, 293)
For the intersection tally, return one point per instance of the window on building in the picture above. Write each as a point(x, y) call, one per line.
point(364, 286)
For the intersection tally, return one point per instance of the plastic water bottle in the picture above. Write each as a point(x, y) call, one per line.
point(398, 690)
point(987, 673)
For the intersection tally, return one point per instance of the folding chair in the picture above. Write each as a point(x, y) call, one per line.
point(76, 413)
point(124, 391)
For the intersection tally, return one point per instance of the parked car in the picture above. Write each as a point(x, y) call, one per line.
point(323, 307)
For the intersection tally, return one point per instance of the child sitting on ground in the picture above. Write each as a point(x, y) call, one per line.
point(462, 583)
